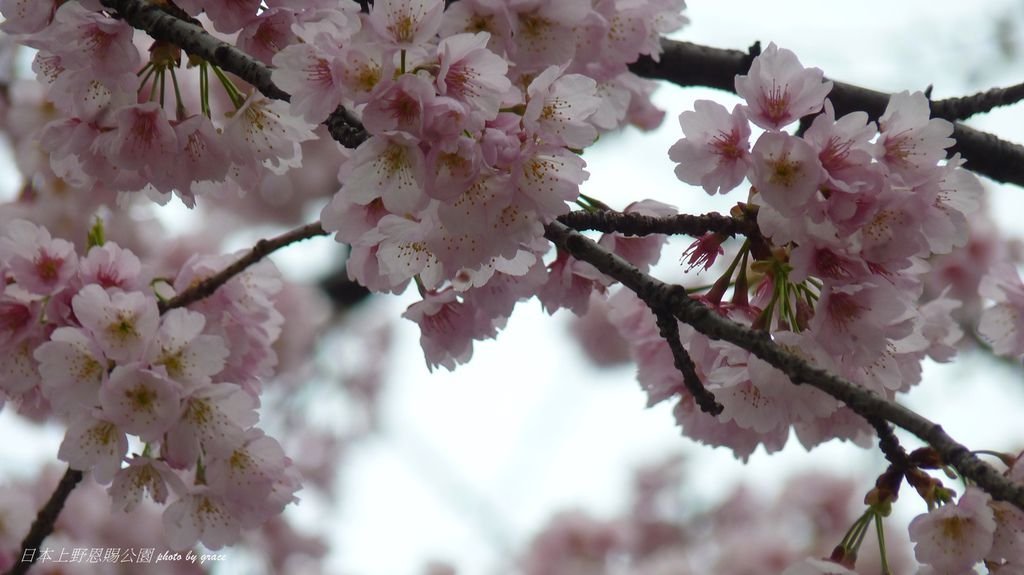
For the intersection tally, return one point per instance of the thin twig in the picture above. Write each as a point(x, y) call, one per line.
point(262, 249)
point(669, 329)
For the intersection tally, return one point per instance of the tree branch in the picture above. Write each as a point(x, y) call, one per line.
point(44, 522)
point(669, 329)
point(633, 224)
point(659, 295)
point(262, 249)
point(687, 64)
point(967, 106)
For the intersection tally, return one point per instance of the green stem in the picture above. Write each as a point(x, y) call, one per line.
point(179, 105)
point(237, 99)
point(881, 545)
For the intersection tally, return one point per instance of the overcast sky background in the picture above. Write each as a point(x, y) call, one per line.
point(472, 463)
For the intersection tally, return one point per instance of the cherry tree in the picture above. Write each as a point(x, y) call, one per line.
point(443, 144)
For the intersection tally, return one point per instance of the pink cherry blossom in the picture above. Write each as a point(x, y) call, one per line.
point(37, 262)
point(142, 475)
point(96, 445)
point(262, 132)
point(183, 351)
point(1002, 325)
point(111, 266)
point(122, 323)
point(549, 177)
point(447, 328)
point(250, 477)
point(779, 90)
point(72, 367)
point(26, 16)
point(910, 143)
point(558, 106)
point(213, 418)
point(400, 106)
point(953, 537)
point(142, 139)
point(140, 401)
point(200, 515)
point(201, 156)
point(471, 73)
point(405, 24)
point(715, 149)
point(390, 168)
point(307, 72)
point(786, 172)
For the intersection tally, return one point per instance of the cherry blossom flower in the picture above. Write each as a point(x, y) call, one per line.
point(111, 266)
point(72, 367)
point(142, 475)
point(261, 132)
point(122, 323)
point(200, 515)
point(952, 538)
point(1002, 325)
point(471, 73)
point(910, 142)
point(786, 172)
point(37, 262)
point(26, 16)
point(181, 349)
point(140, 401)
point(249, 476)
point(390, 168)
point(307, 72)
point(406, 24)
point(142, 140)
point(558, 106)
point(779, 90)
point(96, 445)
point(715, 149)
point(447, 328)
point(213, 419)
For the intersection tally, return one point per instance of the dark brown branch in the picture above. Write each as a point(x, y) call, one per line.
point(633, 224)
point(689, 64)
point(262, 249)
point(161, 25)
point(669, 330)
point(967, 106)
point(44, 522)
point(867, 404)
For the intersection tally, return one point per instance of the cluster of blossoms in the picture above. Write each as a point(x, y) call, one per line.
point(120, 127)
point(82, 338)
point(849, 214)
point(475, 117)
